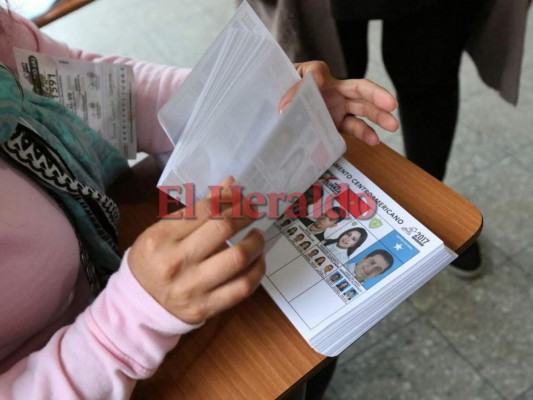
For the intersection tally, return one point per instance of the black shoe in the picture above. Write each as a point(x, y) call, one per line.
point(468, 264)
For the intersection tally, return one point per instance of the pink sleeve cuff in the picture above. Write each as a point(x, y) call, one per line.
point(129, 320)
point(145, 301)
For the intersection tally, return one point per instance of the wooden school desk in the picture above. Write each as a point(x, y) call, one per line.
point(252, 351)
point(59, 9)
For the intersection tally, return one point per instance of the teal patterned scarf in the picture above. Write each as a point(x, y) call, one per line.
point(57, 149)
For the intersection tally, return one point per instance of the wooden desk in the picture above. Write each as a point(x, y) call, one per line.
point(59, 9)
point(252, 351)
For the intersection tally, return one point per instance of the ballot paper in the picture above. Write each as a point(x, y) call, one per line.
point(341, 253)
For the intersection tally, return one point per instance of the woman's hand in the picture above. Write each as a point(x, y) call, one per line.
point(348, 101)
point(185, 266)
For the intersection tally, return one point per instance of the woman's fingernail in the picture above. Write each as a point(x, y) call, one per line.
point(283, 107)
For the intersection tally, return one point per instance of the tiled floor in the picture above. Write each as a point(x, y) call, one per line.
point(453, 339)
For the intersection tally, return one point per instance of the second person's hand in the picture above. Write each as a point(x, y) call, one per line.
point(349, 101)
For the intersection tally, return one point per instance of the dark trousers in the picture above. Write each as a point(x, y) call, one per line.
point(421, 53)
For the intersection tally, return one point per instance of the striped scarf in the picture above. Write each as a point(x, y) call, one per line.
point(57, 150)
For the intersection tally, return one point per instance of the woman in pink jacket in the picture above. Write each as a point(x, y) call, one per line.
point(68, 329)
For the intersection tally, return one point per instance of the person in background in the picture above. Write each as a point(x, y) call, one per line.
point(422, 44)
point(78, 319)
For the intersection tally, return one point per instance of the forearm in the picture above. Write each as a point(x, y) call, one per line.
point(121, 338)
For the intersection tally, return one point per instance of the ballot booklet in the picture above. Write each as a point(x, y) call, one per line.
point(341, 254)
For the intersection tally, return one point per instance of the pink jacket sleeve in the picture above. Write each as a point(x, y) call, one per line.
point(154, 84)
point(121, 337)
point(124, 334)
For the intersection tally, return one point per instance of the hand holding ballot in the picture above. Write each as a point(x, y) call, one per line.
point(183, 264)
point(348, 100)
